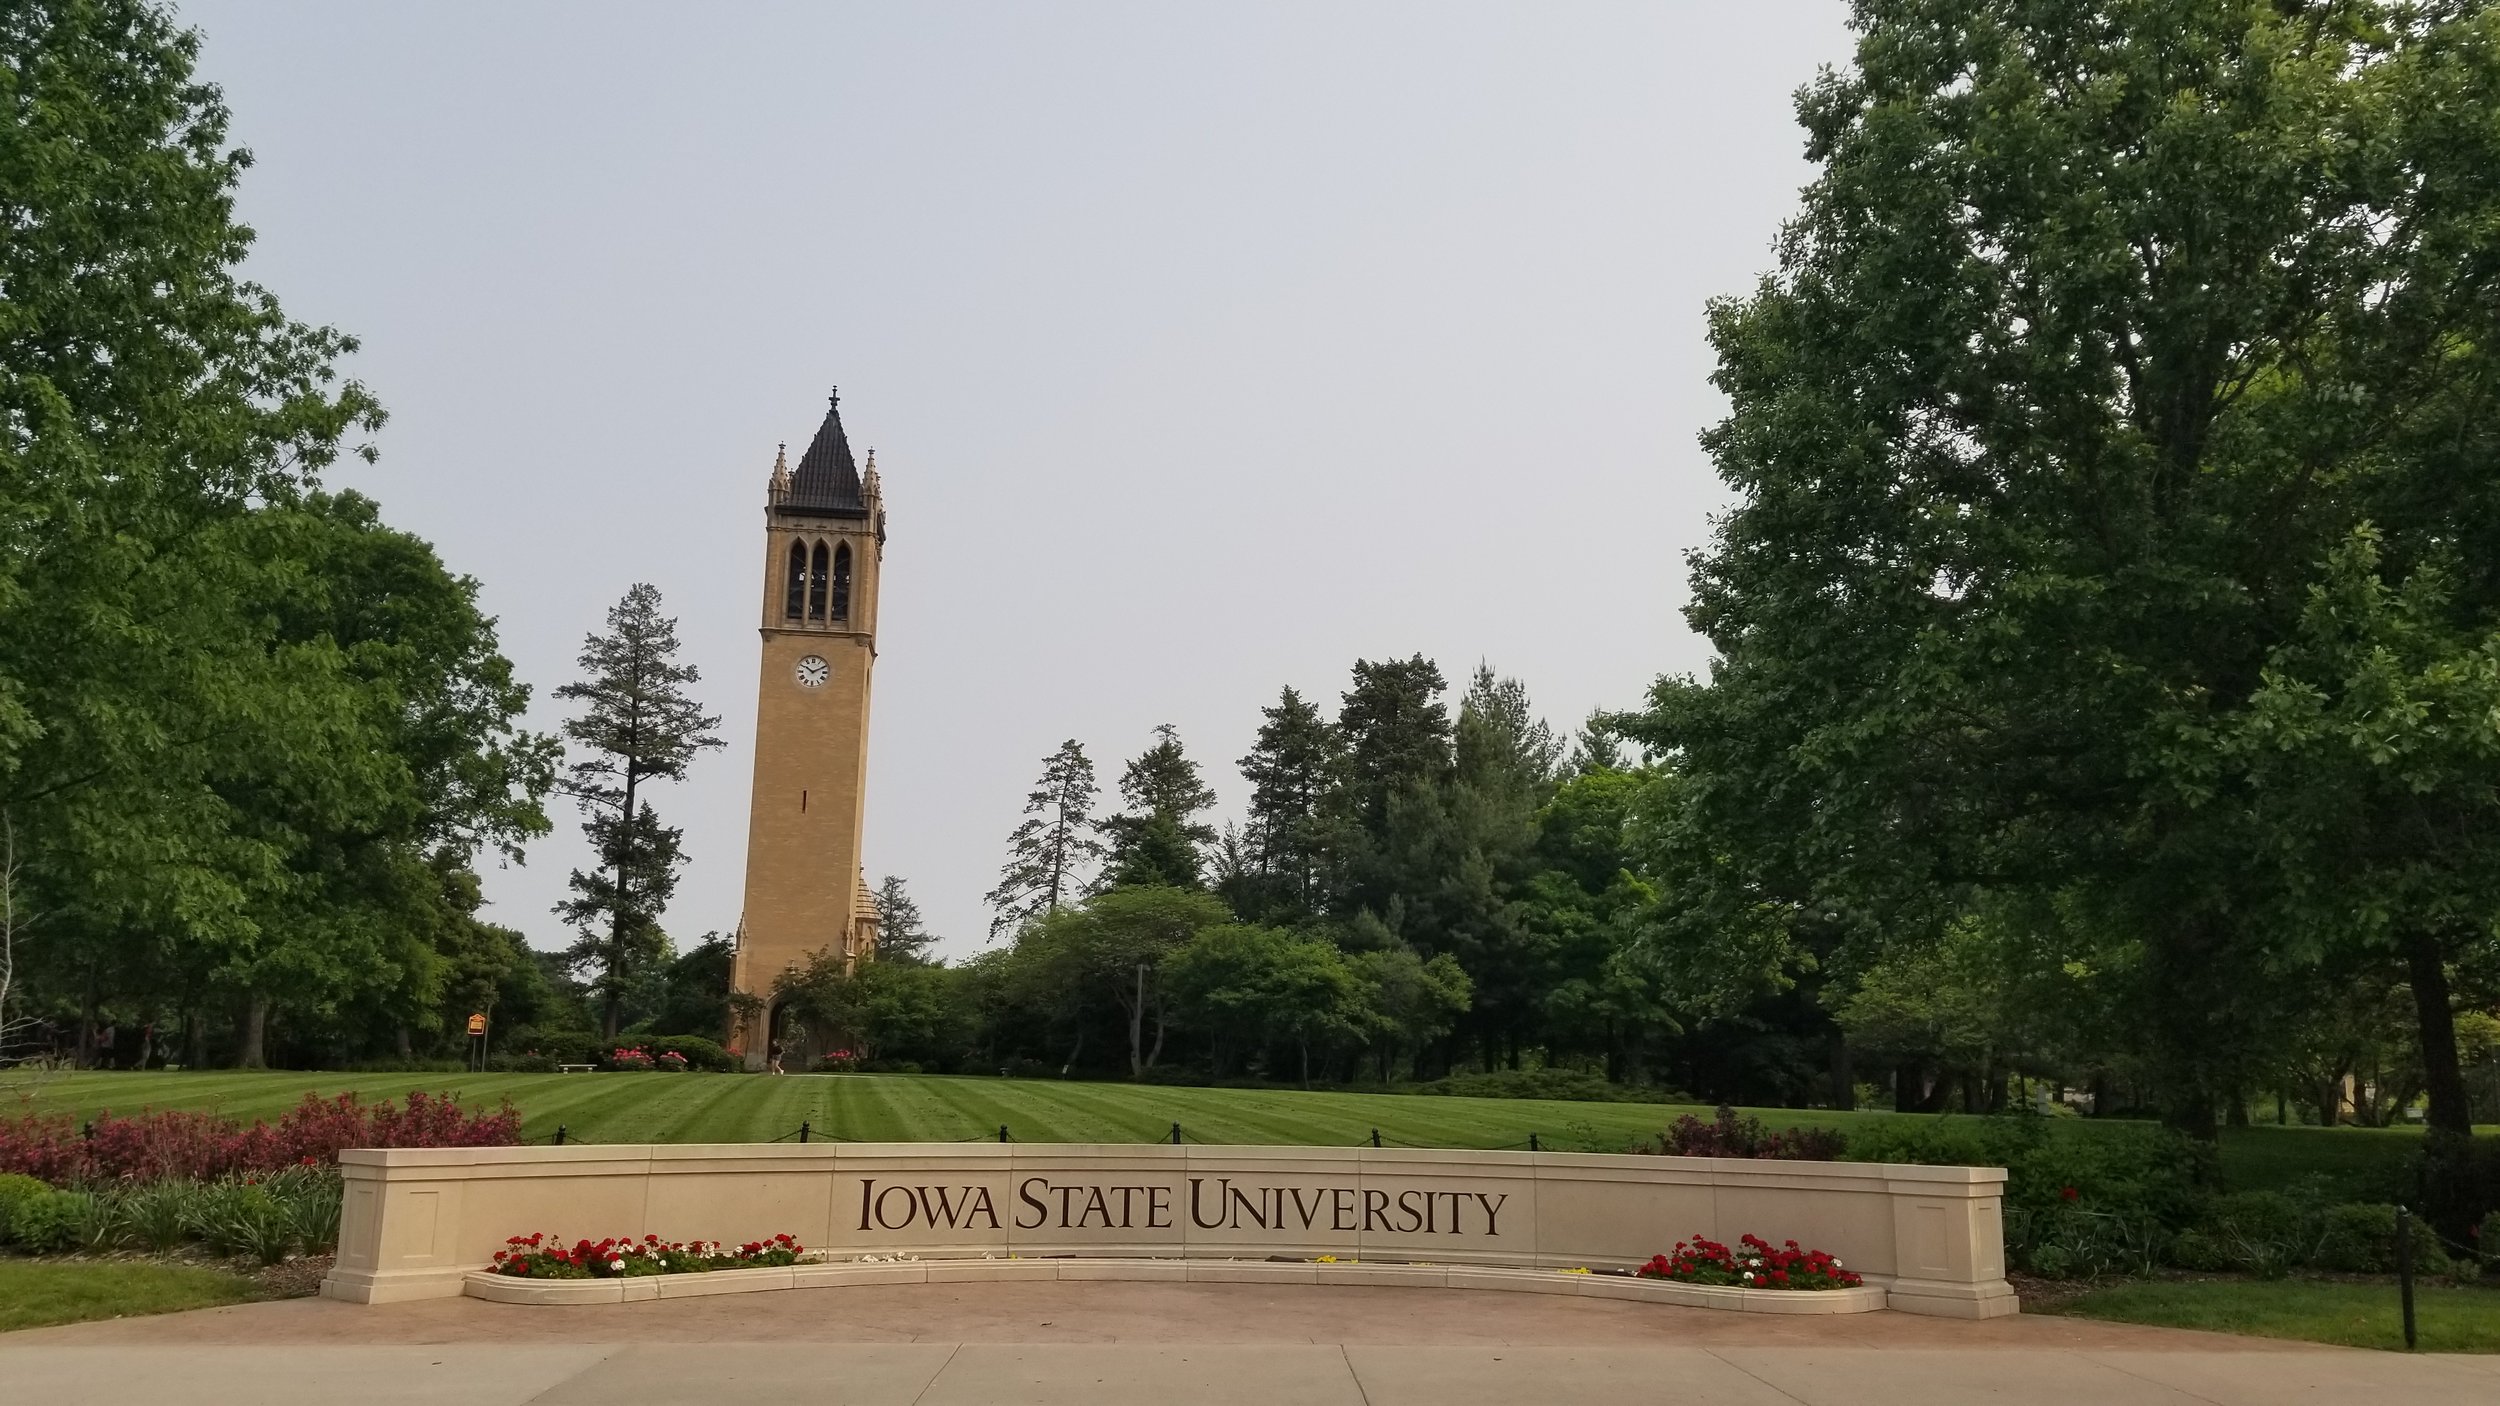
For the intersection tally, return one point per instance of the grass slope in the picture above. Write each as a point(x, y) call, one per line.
point(34, 1293)
point(2351, 1315)
point(930, 1108)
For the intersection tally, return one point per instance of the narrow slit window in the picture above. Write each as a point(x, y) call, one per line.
point(842, 581)
point(798, 580)
point(816, 586)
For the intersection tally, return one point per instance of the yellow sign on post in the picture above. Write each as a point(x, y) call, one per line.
point(477, 1024)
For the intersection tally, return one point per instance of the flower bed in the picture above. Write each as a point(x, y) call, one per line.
point(544, 1256)
point(1753, 1265)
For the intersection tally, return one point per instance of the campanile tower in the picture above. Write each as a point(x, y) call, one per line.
point(824, 536)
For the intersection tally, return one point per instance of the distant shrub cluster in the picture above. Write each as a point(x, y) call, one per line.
point(156, 1146)
point(1729, 1135)
point(263, 1217)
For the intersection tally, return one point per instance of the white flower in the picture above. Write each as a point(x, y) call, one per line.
point(616, 1264)
point(1748, 1276)
point(1835, 1264)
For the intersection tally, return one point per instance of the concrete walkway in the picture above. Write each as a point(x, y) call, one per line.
point(976, 1345)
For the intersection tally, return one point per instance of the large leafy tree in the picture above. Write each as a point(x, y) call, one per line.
point(148, 396)
point(2101, 331)
point(1053, 847)
point(638, 726)
point(1159, 839)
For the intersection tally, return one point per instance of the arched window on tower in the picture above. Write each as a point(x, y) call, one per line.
point(842, 581)
point(798, 580)
point(816, 586)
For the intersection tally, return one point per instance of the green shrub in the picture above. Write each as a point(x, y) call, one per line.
point(2360, 1238)
point(558, 1046)
point(16, 1187)
point(51, 1223)
point(520, 1064)
point(2080, 1199)
point(157, 1217)
point(2264, 1233)
point(1573, 1085)
point(242, 1218)
point(2487, 1242)
point(699, 1053)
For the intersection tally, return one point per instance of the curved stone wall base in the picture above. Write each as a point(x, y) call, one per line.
point(505, 1288)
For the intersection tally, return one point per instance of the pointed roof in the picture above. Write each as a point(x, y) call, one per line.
point(827, 480)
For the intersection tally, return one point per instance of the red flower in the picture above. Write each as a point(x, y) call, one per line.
point(2068, 1193)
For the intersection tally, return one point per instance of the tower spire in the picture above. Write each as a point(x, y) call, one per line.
point(827, 480)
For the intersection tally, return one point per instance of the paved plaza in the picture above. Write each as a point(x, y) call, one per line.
point(1112, 1343)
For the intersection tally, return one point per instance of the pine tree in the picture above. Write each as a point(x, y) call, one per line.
point(1395, 732)
point(1048, 853)
point(902, 934)
point(1158, 841)
point(1291, 770)
point(639, 727)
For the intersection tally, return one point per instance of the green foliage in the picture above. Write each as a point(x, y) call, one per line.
point(1049, 851)
point(158, 1217)
point(51, 1222)
point(2104, 1200)
point(2350, 1315)
point(1159, 840)
point(1573, 1085)
point(902, 934)
point(2114, 535)
point(15, 1189)
point(2360, 1238)
point(699, 1053)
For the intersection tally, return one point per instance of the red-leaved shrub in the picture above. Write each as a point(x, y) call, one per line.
point(155, 1146)
point(1729, 1135)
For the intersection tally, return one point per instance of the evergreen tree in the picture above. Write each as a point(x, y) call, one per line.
point(1394, 733)
point(1158, 840)
point(639, 727)
point(1292, 769)
point(1048, 853)
point(902, 934)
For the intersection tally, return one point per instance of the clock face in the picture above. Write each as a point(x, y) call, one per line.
point(812, 672)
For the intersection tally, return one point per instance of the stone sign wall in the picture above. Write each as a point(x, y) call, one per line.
point(417, 1219)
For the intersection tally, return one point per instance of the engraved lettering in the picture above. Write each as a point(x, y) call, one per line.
point(1024, 1193)
point(1375, 1205)
point(1492, 1211)
point(1158, 1209)
point(1342, 1200)
point(864, 1188)
point(1240, 1203)
point(1223, 1185)
point(1414, 1218)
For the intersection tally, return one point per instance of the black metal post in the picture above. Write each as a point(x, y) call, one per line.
point(2404, 1269)
point(802, 1130)
point(1002, 1132)
point(559, 1135)
point(1375, 1137)
point(1176, 1134)
point(1532, 1147)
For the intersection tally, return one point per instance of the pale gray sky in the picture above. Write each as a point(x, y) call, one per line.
point(1204, 348)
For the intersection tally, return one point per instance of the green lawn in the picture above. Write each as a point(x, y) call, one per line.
point(904, 1107)
point(34, 1293)
point(2351, 1315)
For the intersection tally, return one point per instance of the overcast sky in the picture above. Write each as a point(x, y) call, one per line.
point(1205, 349)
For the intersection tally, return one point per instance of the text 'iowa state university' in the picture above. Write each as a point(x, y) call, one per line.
point(1039, 1204)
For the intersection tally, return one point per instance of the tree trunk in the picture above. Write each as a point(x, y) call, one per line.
point(401, 1044)
point(1137, 1028)
point(1908, 1087)
point(2443, 1078)
point(1161, 1026)
point(1844, 1081)
point(194, 1040)
point(2238, 1115)
point(250, 1041)
point(1073, 1051)
point(613, 1019)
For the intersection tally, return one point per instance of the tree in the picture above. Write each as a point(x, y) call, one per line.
point(902, 935)
point(1108, 954)
point(150, 399)
point(1292, 769)
point(2098, 335)
point(1413, 1002)
point(638, 727)
point(1048, 853)
point(1394, 734)
point(1159, 841)
point(1249, 986)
